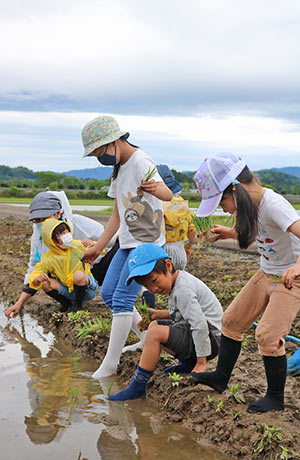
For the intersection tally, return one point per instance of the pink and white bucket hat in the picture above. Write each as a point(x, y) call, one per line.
point(213, 177)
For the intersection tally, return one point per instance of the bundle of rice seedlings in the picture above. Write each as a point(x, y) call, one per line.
point(146, 318)
point(203, 226)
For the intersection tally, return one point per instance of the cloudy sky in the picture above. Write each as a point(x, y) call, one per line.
point(187, 78)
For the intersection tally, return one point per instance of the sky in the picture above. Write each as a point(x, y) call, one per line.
point(186, 78)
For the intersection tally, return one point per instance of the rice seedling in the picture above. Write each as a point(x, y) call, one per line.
point(234, 391)
point(150, 173)
point(78, 316)
point(88, 328)
point(175, 379)
point(202, 224)
point(220, 407)
point(74, 397)
point(269, 442)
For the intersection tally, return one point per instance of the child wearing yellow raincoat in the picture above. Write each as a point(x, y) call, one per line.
point(61, 269)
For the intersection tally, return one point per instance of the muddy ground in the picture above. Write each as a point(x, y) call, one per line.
point(219, 420)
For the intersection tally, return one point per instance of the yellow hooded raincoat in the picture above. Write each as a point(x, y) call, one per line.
point(59, 263)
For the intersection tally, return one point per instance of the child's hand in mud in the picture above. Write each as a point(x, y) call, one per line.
point(88, 243)
point(13, 310)
point(150, 186)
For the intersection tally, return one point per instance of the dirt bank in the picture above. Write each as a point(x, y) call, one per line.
point(219, 419)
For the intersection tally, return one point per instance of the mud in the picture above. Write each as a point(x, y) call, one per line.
point(220, 420)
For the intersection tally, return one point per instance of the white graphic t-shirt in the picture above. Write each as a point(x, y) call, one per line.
point(141, 214)
point(278, 248)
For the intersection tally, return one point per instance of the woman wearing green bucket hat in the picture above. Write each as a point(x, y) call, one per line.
point(138, 191)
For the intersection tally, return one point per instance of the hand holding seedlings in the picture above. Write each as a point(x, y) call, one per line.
point(148, 185)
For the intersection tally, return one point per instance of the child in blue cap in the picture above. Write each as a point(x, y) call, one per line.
point(190, 328)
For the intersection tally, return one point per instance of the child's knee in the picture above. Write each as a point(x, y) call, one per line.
point(268, 343)
point(80, 278)
point(152, 324)
point(153, 332)
point(46, 287)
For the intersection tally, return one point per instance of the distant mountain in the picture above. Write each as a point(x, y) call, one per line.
point(100, 173)
point(280, 181)
point(7, 173)
point(293, 170)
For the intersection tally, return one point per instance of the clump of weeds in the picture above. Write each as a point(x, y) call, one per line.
point(268, 445)
point(234, 391)
point(88, 328)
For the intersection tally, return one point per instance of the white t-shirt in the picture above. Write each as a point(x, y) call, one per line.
point(191, 300)
point(278, 248)
point(141, 216)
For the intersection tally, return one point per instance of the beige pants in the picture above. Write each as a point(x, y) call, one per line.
point(278, 306)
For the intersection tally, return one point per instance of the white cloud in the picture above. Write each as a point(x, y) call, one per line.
point(158, 51)
point(36, 140)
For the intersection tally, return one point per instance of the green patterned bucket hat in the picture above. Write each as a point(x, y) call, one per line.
point(100, 131)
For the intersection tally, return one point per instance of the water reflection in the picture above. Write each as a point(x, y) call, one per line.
point(51, 408)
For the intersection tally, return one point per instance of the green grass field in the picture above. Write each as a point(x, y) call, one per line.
point(104, 202)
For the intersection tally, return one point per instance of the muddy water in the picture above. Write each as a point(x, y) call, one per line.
point(52, 409)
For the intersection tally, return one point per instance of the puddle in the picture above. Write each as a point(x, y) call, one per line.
point(51, 408)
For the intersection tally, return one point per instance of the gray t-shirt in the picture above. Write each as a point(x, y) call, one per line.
point(191, 300)
point(279, 249)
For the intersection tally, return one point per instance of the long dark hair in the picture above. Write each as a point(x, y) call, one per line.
point(247, 211)
point(117, 166)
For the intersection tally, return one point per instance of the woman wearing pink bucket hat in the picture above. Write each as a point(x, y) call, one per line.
point(137, 189)
point(266, 216)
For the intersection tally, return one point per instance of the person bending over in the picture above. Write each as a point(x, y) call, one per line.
point(60, 269)
point(191, 327)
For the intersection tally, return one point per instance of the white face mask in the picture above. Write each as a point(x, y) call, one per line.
point(67, 240)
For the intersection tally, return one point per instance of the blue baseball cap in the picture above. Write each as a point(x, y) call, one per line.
point(143, 259)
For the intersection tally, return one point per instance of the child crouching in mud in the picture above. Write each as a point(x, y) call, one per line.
point(61, 270)
point(191, 327)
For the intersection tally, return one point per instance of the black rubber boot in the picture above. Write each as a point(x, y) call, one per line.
point(65, 303)
point(229, 352)
point(79, 295)
point(276, 375)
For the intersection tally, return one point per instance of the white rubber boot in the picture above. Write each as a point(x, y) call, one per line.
point(120, 327)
